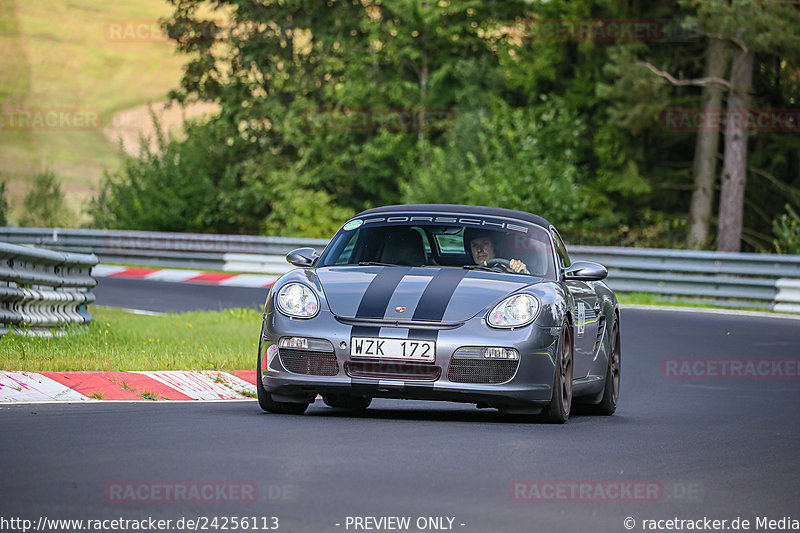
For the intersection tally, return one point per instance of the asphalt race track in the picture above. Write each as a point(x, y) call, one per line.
point(718, 448)
point(161, 296)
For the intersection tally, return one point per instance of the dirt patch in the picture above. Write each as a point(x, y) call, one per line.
point(131, 125)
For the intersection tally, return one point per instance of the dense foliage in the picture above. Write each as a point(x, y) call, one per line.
point(4, 204)
point(44, 204)
point(330, 108)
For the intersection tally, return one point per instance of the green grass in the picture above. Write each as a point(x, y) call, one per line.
point(118, 340)
point(60, 55)
point(152, 396)
point(643, 298)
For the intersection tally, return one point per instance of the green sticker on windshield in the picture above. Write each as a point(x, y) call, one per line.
point(353, 224)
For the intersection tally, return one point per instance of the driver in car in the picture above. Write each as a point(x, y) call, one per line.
point(481, 245)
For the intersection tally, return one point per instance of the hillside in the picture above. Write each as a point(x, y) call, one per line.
point(67, 56)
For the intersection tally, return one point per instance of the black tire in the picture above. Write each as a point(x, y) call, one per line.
point(345, 401)
point(557, 412)
point(265, 400)
point(608, 405)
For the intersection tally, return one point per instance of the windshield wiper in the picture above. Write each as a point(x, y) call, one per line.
point(374, 264)
point(490, 269)
point(480, 267)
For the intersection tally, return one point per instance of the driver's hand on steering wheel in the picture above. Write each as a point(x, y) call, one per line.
point(518, 266)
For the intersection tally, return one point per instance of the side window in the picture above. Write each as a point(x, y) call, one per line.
point(450, 243)
point(561, 250)
point(346, 255)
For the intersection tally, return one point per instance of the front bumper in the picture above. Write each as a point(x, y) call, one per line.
point(529, 386)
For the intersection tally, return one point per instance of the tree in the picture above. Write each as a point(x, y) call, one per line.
point(704, 166)
point(349, 104)
point(772, 28)
point(44, 205)
point(734, 168)
point(4, 205)
point(315, 92)
point(503, 157)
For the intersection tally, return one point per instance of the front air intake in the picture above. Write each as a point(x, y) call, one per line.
point(601, 329)
point(309, 362)
point(482, 371)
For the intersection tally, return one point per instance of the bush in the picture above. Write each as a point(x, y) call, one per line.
point(305, 213)
point(528, 159)
point(4, 205)
point(186, 186)
point(786, 229)
point(44, 205)
point(216, 181)
point(297, 208)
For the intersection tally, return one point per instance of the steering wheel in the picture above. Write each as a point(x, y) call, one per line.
point(505, 264)
point(497, 262)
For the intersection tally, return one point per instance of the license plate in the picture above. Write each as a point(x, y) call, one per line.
point(403, 349)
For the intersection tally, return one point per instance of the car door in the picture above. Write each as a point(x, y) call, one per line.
point(585, 313)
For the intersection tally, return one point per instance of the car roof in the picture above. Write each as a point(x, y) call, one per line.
point(459, 209)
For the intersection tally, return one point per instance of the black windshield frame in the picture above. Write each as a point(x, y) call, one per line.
point(360, 234)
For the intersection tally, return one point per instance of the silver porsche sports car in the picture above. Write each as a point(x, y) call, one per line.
point(442, 302)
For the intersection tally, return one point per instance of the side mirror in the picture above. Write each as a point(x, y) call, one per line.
point(302, 257)
point(584, 271)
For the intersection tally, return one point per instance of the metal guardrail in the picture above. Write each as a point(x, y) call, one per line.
point(717, 278)
point(235, 253)
point(42, 289)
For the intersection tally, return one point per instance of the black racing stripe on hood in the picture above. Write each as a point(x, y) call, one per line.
point(423, 334)
point(365, 331)
point(434, 300)
point(376, 298)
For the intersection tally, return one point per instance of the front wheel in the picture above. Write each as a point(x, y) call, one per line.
point(265, 400)
point(558, 410)
point(608, 405)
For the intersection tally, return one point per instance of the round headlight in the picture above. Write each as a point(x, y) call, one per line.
point(514, 311)
point(297, 300)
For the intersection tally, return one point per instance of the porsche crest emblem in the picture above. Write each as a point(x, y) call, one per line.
point(400, 309)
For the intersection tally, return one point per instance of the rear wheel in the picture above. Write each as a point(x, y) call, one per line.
point(265, 400)
point(608, 405)
point(558, 410)
point(345, 401)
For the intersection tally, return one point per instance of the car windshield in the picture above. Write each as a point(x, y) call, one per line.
point(480, 243)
